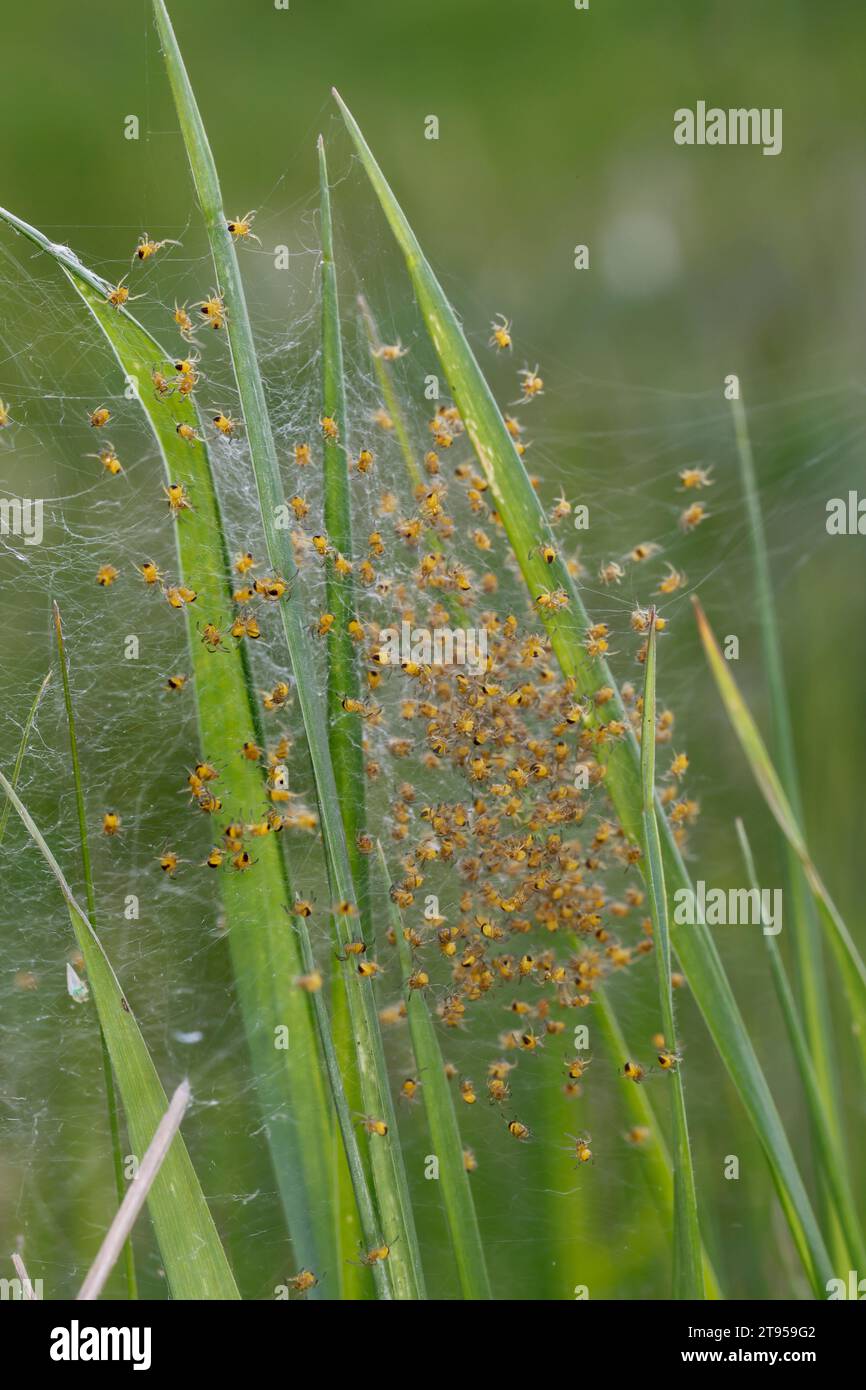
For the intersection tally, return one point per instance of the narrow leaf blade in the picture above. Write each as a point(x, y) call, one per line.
point(850, 961)
point(195, 1262)
point(688, 1281)
point(444, 1132)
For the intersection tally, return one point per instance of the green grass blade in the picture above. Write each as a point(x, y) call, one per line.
point(688, 1281)
point(195, 1263)
point(656, 1161)
point(444, 1132)
point(392, 1187)
point(527, 528)
point(851, 965)
point(265, 955)
point(22, 749)
point(809, 958)
point(833, 1167)
point(347, 752)
point(117, 1236)
point(366, 1211)
point(87, 870)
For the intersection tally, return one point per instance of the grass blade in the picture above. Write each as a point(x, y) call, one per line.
point(444, 1132)
point(195, 1263)
point(110, 1094)
point(22, 749)
point(527, 528)
point(346, 751)
point(688, 1282)
point(851, 965)
point(392, 1191)
point(265, 956)
point(372, 1233)
point(833, 1167)
point(118, 1234)
point(656, 1160)
point(808, 954)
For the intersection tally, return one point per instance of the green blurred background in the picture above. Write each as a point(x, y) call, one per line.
point(555, 129)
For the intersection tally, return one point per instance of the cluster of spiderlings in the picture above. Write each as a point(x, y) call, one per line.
point(519, 841)
point(502, 876)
